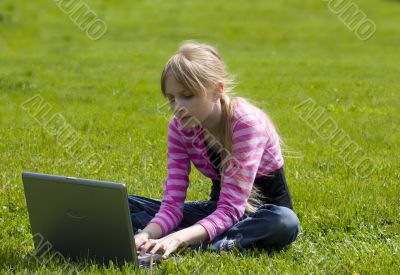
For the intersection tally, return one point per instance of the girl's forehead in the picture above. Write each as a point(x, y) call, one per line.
point(172, 86)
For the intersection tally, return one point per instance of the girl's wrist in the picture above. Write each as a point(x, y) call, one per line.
point(142, 231)
point(178, 238)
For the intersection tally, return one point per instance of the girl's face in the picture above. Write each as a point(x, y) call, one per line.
point(192, 110)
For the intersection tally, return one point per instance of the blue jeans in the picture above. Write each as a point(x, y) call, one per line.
point(271, 227)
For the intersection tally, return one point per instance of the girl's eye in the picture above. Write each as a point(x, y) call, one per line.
point(188, 96)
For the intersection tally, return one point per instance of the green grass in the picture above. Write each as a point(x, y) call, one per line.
point(282, 52)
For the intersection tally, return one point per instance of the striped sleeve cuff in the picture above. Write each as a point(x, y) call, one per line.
point(165, 227)
point(210, 227)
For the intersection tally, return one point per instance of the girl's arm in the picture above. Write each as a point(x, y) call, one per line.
point(249, 142)
point(170, 213)
point(187, 236)
point(153, 231)
point(191, 235)
point(171, 242)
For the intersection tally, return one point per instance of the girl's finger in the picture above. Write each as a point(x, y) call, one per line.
point(169, 249)
point(147, 246)
point(138, 248)
point(155, 248)
point(139, 243)
point(166, 253)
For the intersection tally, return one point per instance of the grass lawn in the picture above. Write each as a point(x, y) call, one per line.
point(282, 52)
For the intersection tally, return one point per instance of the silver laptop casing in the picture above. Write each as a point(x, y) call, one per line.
point(80, 218)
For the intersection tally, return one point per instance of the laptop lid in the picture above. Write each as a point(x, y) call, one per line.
point(80, 218)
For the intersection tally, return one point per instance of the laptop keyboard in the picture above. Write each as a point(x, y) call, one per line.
point(145, 260)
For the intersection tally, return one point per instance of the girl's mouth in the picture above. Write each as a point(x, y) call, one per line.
point(185, 117)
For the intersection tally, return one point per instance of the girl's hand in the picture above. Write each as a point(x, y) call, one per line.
point(168, 244)
point(141, 239)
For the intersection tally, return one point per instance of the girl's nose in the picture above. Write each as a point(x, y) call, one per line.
point(179, 110)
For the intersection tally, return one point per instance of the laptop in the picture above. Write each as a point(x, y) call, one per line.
point(80, 219)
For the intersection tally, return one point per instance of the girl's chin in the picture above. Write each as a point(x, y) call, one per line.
point(189, 123)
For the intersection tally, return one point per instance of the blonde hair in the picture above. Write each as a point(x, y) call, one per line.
point(197, 67)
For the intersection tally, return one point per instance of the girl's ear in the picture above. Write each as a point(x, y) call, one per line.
point(219, 90)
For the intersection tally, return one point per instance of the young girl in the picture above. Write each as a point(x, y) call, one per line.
point(231, 142)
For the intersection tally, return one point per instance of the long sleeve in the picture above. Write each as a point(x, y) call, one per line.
point(170, 213)
point(249, 142)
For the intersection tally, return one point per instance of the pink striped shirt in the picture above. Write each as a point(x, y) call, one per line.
point(256, 152)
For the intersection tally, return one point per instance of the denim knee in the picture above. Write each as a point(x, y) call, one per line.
point(283, 224)
point(287, 227)
point(288, 222)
